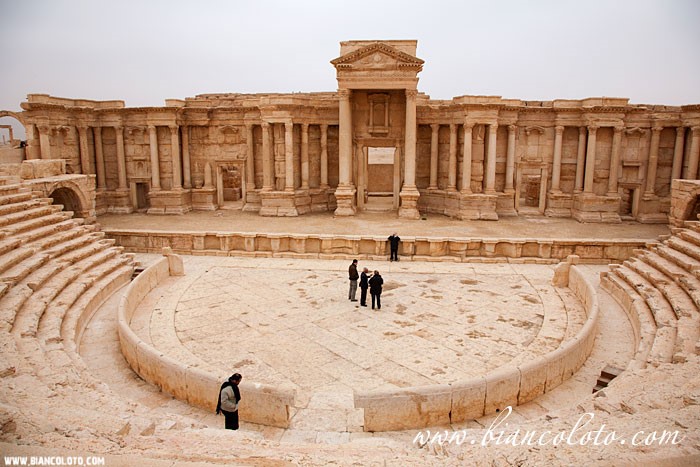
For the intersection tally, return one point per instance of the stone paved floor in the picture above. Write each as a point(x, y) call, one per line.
point(383, 223)
point(440, 322)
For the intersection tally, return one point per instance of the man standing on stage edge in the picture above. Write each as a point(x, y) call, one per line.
point(394, 240)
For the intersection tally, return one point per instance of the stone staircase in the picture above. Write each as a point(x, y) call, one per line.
point(660, 289)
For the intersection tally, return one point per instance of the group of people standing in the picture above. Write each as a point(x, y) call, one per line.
point(373, 283)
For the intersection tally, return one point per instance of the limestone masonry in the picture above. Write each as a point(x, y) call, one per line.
point(375, 144)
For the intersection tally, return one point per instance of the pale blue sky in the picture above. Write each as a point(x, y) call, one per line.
point(146, 51)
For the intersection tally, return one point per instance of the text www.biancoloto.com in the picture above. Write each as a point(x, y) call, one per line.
point(581, 434)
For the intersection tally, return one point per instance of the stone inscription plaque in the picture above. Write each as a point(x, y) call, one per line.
point(380, 155)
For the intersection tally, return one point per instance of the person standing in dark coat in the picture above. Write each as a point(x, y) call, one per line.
point(353, 276)
point(364, 285)
point(229, 397)
point(394, 244)
point(375, 288)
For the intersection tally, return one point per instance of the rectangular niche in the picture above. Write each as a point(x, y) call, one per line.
point(378, 114)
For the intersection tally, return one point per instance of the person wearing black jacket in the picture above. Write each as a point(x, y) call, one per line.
point(227, 403)
point(353, 276)
point(364, 285)
point(375, 288)
point(394, 244)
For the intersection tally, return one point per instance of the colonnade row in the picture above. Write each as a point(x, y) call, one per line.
point(585, 158)
point(180, 154)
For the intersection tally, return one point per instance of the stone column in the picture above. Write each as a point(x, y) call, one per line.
point(305, 156)
point(409, 193)
point(289, 156)
point(45, 141)
point(32, 150)
point(467, 159)
point(615, 161)
point(678, 153)
point(345, 139)
point(84, 152)
point(99, 157)
point(556, 163)
point(155, 165)
point(186, 167)
point(175, 157)
point(590, 160)
point(694, 153)
point(452, 166)
point(250, 158)
point(121, 159)
point(324, 156)
point(345, 193)
point(653, 160)
point(491, 160)
point(580, 159)
point(434, 157)
point(267, 157)
point(510, 159)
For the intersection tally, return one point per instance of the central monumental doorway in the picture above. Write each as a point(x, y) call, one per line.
point(382, 175)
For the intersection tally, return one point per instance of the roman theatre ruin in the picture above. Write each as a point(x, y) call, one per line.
point(549, 270)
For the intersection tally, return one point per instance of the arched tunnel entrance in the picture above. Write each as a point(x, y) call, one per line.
point(69, 199)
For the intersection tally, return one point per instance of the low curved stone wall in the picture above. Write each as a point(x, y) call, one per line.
point(373, 247)
point(424, 406)
point(260, 403)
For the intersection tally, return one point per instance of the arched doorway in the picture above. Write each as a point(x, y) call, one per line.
point(12, 138)
point(695, 211)
point(69, 199)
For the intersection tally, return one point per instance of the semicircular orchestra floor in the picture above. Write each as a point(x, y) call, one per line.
point(290, 321)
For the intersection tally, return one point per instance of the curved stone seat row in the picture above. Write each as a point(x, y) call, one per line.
point(659, 288)
point(265, 404)
point(507, 386)
point(372, 247)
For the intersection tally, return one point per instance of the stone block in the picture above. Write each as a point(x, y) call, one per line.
point(468, 399)
point(34, 169)
point(502, 387)
point(406, 408)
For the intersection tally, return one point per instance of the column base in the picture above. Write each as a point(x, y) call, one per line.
point(302, 201)
point(345, 201)
point(505, 204)
point(559, 204)
point(176, 202)
point(118, 202)
point(477, 206)
point(278, 204)
point(409, 203)
point(203, 199)
point(589, 207)
point(651, 210)
point(252, 201)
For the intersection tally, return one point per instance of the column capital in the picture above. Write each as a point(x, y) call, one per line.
point(493, 125)
point(581, 130)
point(657, 128)
point(453, 127)
point(151, 128)
point(435, 126)
point(344, 93)
point(680, 130)
point(288, 126)
point(411, 93)
point(468, 124)
point(305, 126)
point(265, 125)
point(559, 129)
point(324, 126)
point(248, 126)
point(173, 128)
point(512, 128)
point(592, 128)
point(43, 128)
point(618, 128)
point(119, 127)
point(695, 129)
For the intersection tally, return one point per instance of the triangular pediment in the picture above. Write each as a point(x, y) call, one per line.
point(377, 55)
